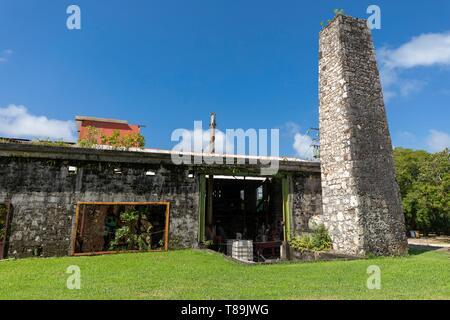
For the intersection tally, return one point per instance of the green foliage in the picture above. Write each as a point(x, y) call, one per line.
point(131, 140)
point(424, 181)
point(319, 240)
point(207, 243)
point(91, 138)
point(337, 12)
point(50, 143)
point(136, 232)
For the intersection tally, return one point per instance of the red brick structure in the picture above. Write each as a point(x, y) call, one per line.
point(105, 127)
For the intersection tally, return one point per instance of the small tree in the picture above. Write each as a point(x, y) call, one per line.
point(116, 140)
point(424, 181)
point(136, 232)
point(91, 138)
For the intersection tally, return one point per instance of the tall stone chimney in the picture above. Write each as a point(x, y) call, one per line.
point(361, 200)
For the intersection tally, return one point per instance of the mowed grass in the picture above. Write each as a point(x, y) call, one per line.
point(193, 274)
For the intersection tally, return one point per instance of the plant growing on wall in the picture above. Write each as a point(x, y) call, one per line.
point(337, 12)
point(319, 240)
point(50, 143)
point(136, 232)
point(91, 138)
point(131, 140)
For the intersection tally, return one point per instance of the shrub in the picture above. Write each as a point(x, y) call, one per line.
point(131, 140)
point(91, 138)
point(136, 232)
point(424, 181)
point(50, 143)
point(319, 240)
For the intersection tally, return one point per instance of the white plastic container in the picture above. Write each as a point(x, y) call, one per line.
point(242, 250)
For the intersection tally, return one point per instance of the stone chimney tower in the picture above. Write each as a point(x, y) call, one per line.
point(361, 201)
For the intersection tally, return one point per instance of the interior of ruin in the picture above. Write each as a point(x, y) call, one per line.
point(3, 228)
point(112, 227)
point(245, 208)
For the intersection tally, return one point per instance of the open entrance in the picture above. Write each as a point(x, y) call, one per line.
point(4, 229)
point(110, 227)
point(249, 209)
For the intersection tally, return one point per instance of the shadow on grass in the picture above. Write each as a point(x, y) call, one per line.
point(415, 249)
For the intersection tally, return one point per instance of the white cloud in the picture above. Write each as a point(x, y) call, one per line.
point(302, 142)
point(426, 50)
point(438, 141)
point(5, 55)
point(423, 51)
point(303, 146)
point(198, 141)
point(17, 122)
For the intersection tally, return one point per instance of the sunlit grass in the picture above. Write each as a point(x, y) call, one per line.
point(191, 274)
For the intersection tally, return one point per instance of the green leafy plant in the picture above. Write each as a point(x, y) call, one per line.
point(90, 140)
point(337, 12)
point(51, 143)
point(136, 232)
point(131, 140)
point(115, 139)
point(424, 181)
point(319, 240)
point(207, 243)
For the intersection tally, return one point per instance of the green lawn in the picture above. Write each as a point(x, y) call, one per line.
point(191, 274)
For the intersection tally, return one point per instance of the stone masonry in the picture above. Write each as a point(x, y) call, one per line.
point(361, 202)
point(44, 194)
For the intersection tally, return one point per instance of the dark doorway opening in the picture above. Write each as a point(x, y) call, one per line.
point(5, 210)
point(123, 226)
point(249, 208)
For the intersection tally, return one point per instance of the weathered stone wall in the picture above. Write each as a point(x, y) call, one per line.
point(361, 202)
point(43, 194)
point(306, 195)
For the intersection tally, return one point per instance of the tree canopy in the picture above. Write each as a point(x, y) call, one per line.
point(424, 181)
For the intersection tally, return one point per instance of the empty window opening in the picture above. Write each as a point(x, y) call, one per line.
point(124, 226)
point(73, 170)
point(246, 209)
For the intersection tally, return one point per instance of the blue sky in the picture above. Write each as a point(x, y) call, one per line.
point(167, 63)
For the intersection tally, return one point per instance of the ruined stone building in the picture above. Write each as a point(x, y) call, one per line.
point(59, 200)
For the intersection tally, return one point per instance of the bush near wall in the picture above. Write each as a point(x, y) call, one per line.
point(424, 181)
point(131, 140)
